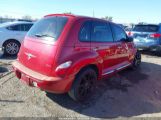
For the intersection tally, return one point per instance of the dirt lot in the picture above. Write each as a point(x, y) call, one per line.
point(139, 94)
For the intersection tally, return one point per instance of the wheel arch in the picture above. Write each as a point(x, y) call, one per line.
point(93, 66)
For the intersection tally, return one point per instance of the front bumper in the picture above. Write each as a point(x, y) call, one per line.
point(46, 83)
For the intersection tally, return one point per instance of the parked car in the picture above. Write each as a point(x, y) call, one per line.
point(68, 54)
point(147, 37)
point(11, 36)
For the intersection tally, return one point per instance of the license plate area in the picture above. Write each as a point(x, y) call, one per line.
point(28, 80)
point(25, 79)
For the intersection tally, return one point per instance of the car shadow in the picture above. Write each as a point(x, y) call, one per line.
point(132, 97)
point(11, 101)
point(3, 69)
point(150, 54)
point(7, 57)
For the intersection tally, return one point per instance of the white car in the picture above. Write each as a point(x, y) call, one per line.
point(11, 36)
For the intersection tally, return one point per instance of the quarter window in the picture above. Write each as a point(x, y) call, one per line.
point(84, 34)
point(101, 32)
point(25, 27)
point(28, 26)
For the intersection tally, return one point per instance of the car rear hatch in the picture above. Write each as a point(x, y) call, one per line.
point(40, 45)
point(143, 33)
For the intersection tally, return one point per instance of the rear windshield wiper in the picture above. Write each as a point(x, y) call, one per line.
point(44, 35)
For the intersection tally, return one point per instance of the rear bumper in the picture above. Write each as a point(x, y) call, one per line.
point(155, 48)
point(43, 82)
point(148, 44)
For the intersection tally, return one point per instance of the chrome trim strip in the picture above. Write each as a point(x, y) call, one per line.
point(108, 72)
point(123, 67)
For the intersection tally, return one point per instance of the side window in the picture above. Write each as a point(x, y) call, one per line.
point(14, 28)
point(101, 32)
point(84, 33)
point(25, 27)
point(28, 26)
point(119, 33)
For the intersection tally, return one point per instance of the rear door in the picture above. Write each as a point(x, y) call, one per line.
point(102, 43)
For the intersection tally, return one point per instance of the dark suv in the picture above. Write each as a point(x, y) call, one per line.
point(68, 54)
point(147, 37)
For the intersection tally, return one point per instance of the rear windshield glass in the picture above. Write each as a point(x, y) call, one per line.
point(146, 28)
point(48, 28)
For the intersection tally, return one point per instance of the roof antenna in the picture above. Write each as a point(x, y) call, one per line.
point(93, 13)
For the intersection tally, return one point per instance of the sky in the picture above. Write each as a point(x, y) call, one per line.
point(122, 11)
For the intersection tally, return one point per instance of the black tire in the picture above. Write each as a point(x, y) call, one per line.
point(11, 47)
point(83, 85)
point(158, 53)
point(137, 60)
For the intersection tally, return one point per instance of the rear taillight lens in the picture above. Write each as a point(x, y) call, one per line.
point(156, 35)
point(130, 34)
point(64, 65)
point(62, 69)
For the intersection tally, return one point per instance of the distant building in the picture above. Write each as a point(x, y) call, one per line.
point(3, 20)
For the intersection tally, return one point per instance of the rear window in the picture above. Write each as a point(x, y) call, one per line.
point(146, 28)
point(48, 28)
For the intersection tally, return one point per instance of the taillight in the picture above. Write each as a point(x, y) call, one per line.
point(62, 69)
point(156, 35)
point(130, 34)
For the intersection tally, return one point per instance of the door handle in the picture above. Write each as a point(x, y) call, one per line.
point(119, 47)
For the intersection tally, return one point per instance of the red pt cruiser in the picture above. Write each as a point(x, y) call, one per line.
point(67, 54)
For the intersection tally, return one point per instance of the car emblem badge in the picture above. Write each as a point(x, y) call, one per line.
point(29, 56)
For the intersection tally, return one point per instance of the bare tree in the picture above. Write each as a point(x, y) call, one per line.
point(108, 18)
point(68, 13)
point(27, 17)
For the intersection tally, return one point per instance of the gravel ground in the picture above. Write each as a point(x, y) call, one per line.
point(138, 95)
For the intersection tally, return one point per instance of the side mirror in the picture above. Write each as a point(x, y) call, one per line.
point(129, 39)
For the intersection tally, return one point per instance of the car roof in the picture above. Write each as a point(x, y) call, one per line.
point(69, 16)
point(77, 17)
point(147, 24)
